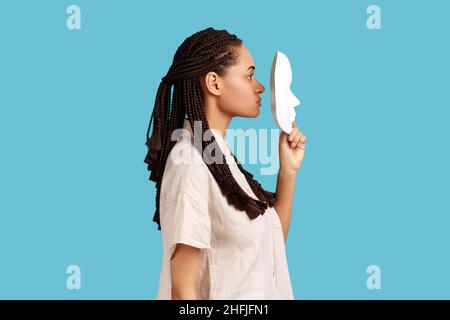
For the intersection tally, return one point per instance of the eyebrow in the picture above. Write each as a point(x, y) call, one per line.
point(251, 67)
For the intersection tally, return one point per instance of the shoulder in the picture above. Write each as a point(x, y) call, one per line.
point(185, 170)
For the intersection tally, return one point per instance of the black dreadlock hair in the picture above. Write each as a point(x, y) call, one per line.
point(205, 51)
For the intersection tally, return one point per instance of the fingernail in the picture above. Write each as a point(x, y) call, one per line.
point(290, 138)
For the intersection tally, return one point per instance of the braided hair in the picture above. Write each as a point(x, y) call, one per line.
point(205, 51)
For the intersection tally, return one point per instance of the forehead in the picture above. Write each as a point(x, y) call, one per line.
point(245, 59)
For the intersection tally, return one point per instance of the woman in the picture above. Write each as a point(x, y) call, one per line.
point(223, 234)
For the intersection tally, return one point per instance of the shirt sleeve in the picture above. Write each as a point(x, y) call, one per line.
point(188, 222)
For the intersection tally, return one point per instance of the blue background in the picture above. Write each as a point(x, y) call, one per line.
point(74, 109)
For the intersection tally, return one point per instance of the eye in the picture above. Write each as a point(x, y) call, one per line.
point(250, 76)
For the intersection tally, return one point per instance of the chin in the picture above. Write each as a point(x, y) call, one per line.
point(249, 112)
point(257, 112)
point(253, 114)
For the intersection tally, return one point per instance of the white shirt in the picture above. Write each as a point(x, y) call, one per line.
point(240, 258)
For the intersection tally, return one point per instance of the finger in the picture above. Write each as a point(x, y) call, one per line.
point(297, 139)
point(303, 139)
point(293, 134)
point(301, 145)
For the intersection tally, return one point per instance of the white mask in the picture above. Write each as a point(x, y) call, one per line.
point(281, 97)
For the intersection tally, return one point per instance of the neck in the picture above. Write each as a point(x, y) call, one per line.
point(217, 119)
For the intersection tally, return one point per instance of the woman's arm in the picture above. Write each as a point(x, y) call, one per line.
point(284, 199)
point(184, 267)
point(291, 153)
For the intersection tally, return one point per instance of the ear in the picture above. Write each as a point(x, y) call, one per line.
point(212, 83)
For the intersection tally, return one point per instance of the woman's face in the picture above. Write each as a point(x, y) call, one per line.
point(239, 89)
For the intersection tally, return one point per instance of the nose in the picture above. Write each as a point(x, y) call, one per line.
point(260, 88)
point(293, 100)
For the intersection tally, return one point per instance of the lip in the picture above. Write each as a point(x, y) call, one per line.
point(259, 101)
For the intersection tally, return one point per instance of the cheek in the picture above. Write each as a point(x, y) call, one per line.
point(238, 97)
